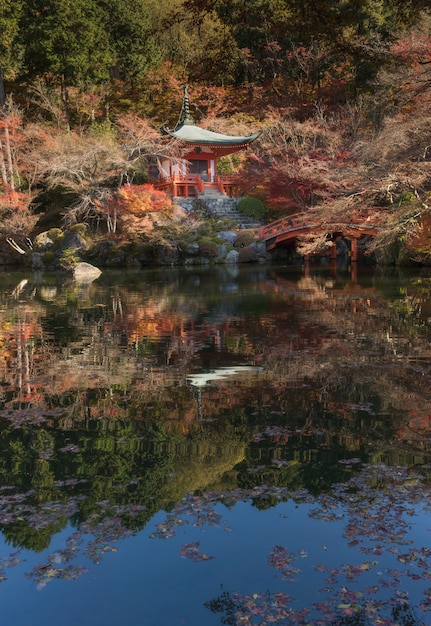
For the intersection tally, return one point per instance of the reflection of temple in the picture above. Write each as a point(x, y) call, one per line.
point(221, 374)
point(195, 173)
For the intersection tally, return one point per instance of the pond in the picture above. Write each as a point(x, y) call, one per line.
point(213, 446)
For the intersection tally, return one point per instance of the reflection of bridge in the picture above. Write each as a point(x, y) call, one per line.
point(288, 229)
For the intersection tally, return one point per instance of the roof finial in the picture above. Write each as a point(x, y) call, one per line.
point(185, 117)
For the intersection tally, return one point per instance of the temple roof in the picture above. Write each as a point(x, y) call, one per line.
point(200, 136)
point(187, 131)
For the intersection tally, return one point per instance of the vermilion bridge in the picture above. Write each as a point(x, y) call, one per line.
point(288, 229)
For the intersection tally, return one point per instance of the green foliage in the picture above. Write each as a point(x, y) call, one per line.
point(406, 197)
point(66, 41)
point(263, 43)
point(130, 38)
point(252, 207)
point(10, 48)
point(102, 129)
point(79, 229)
point(55, 234)
point(48, 257)
point(211, 225)
point(228, 165)
point(356, 34)
point(68, 258)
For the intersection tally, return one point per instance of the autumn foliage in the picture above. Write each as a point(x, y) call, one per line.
point(138, 208)
point(140, 200)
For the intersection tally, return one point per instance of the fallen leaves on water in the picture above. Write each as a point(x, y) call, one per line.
point(10, 561)
point(191, 551)
point(283, 561)
point(44, 574)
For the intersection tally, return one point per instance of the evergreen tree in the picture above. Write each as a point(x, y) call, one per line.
point(10, 49)
point(128, 30)
point(66, 41)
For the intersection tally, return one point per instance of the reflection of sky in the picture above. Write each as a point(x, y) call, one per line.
point(147, 582)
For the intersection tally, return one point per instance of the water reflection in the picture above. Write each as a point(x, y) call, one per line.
point(119, 397)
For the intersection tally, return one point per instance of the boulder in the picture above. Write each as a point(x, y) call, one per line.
point(44, 241)
point(167, 254)
point(36, 261)
point(84, 272)
point(228, 236)
point(232, 256)
point(192, 249)
point(74, 242)
point(221, 253)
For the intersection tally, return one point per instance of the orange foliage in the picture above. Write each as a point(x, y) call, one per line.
point(141, 199)
point(138, 208)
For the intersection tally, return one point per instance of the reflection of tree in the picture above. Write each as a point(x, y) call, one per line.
point(21, 534)
point(145, 463)
point(49, 476)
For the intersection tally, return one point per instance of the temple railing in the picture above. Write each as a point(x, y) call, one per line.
point(180, 186)
point(230, 185)
point(191, 186)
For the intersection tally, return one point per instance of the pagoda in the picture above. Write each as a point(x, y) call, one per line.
point(195, 173)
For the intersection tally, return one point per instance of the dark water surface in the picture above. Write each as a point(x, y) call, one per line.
point(213, 446)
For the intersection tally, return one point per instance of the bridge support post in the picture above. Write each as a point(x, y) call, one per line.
point(334, 251)
point(354, 250)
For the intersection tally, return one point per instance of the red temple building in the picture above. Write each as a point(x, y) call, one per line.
point(195, 174)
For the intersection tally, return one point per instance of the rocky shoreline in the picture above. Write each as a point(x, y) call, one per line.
point(73, 251)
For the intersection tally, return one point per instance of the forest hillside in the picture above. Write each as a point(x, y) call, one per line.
point(341, 90)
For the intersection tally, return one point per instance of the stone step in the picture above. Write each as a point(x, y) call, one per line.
point(222, 207)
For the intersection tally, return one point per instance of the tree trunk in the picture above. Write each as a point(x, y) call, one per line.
point(3, 172)
point(66, 104)
point(2, 93)
point(106, 106)
point(9, 157)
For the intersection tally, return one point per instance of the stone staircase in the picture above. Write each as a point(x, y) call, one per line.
point(222, 207)
point(227, 207)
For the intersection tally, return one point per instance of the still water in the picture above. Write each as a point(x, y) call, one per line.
point(215, 446)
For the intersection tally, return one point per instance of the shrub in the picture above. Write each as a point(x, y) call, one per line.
point(406, 197)
point(244, 238)
point(252, 207)
point(79, 229)
point(55, 234)
point(68, 259)
point(208, 248)
point(247, 255)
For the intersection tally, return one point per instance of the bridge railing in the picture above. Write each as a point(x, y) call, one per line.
point(366, 219)
point(282, 225)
